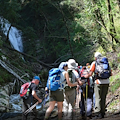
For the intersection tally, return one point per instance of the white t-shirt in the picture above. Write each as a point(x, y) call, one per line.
point(62, 80)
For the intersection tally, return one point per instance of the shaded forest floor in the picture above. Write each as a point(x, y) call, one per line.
point(75, 116)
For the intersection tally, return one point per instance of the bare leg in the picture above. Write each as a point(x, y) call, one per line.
point(50, 109)
point(60, 107)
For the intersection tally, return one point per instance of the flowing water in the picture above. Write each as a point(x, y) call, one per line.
point(14, 34)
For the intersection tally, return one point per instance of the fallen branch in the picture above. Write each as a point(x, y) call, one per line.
point(117, 113)
point(2, 63)
point(42, 63)
point(111, 100)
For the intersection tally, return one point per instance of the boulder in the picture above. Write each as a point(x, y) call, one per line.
point(4, 97)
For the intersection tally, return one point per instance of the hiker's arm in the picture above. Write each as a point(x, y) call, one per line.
point(35, 96)
point(89, 74)
point(68, 82)
point(79, 81)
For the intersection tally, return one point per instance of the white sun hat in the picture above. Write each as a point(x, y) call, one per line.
point(72, 64)
point(62, 65)
point(98, 54)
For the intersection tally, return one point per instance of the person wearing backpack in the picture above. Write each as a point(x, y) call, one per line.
point(70, 92)
point(57, 96)
point(102, 71)
point(86, 95)
point(31, 99)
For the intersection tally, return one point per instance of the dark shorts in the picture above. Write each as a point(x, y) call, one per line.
point(57, 96)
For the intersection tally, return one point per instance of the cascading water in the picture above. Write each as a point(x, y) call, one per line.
point(14, 34)
point(16, 42)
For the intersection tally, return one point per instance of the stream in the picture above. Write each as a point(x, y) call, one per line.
point(15, 102)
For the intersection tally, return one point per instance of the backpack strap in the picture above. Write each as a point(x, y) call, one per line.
point(95, 73)
point(62, 84)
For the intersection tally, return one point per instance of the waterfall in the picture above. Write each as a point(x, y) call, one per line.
point(14, 34)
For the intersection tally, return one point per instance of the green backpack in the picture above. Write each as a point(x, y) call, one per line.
point(70, 72)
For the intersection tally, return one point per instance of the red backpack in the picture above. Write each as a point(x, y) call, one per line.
point(84, 72)
point(24, 90)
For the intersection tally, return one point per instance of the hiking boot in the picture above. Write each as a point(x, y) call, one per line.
point(89, 117)
point(83, 117)
point(102, 115)
point(98, 116)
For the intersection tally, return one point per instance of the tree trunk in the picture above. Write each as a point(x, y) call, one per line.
point(67, 32)
point(112, 27)
point(99, 18)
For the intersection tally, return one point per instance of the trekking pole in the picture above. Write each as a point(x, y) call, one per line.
point(86, 90)
point(86, 98)
point(30, 108)
point(46, 95)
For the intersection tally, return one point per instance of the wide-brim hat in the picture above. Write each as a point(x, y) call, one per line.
point(62, 65)
point(97, 54)
point(72, 64)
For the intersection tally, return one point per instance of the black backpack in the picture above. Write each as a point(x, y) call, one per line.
point(102, 68)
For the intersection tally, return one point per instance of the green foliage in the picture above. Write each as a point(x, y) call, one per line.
point(118, 67)
point(115, 86)
point(1, 79)
point(114, 64)
point(101, 50)
point(9, 10)
point(1, 42)
point(4, 76)
point(44, 25)
point(29, 32)
point(44, 75)
point(118, 55)
point(112, 107)
point(49, 27)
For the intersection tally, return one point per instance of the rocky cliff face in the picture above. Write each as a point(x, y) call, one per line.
point(4, 97)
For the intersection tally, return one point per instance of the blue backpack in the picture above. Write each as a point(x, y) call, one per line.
point(102, 69)
point(53, 82)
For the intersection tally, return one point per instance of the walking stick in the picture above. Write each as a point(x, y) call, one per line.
point(85, 95)
point(33, 106)
point(46, 95)
point(30, 108)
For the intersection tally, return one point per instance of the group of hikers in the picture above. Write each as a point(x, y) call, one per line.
point(87, 80)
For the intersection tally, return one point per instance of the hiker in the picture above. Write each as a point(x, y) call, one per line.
point(90, 78)
point(86, 95)
point(32, 98)
point(88, 66)
point(80, 68)
point(58, 96)
point(70, 92)
point(100, 87)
